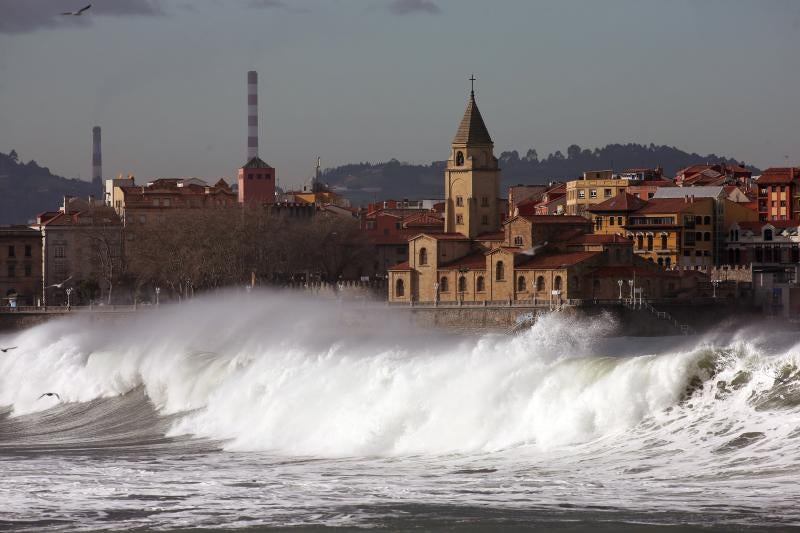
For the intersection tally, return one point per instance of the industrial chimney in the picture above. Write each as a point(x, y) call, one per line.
point(252, 114)
point(97, 156)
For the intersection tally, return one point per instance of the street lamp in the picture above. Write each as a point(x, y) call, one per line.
point(69, 292)
point(158, 291)
point(630, 282)
point(620, 282)
point(714, 283)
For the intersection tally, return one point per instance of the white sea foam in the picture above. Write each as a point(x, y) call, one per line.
point(301, 377)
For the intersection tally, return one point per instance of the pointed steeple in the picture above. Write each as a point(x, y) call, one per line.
point(472, 129)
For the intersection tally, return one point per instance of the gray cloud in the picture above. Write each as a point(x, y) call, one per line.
point(20, 16)
point(406, 7)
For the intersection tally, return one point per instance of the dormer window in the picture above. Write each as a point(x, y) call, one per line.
point(459, 158)
point(767, 234)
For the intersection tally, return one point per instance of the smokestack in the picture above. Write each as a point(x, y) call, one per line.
point(252, 114)
point(97, 156)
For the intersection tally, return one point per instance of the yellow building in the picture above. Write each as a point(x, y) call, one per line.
point(594, 187)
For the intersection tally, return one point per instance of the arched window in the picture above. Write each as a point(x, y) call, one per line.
point(462, 284)
point(521, 284)
point(423, 256)
point(557, 283)
point(399, 288)
point(668, 262)
point(661, 261)
point(518, 240)
point(663, 241)
point(443, 284)
point(459, 158)
point(649, 242)
point(499, 271)
point(479, 285)
point(540, 284)
point(640, 241)
point(767, 234)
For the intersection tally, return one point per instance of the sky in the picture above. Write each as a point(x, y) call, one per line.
point(370, 80)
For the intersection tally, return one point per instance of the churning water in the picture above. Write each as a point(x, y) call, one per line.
point(276, 411)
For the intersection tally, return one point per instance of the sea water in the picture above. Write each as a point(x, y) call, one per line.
point(271, 410)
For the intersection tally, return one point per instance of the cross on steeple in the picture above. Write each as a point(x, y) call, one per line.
point(472, 84)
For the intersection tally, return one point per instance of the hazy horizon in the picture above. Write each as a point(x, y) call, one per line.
point(354, 81)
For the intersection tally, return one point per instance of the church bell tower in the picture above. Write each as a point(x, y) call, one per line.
point(472, 177)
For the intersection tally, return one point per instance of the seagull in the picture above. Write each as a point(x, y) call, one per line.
point(5, 350)
point(59, 285)
point(77, 13)
point(50, 394)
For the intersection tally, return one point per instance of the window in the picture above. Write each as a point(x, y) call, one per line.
point(687, 253)
point(668, 262)
point(59, 251)
point(28, 270)
point(688, 221)
point(28, 250)
point(607, 193)
point(619, 221)
point(767, 234)
point(521, 287)
point(581, 195)
point(598, 222)
point(610, 221)
point(707, 220)
point(142, 219)
point(12, 270)
point(462, 284)
point(11, 251)
point(698, 253)
point(640, 242)
point(484, 201)
point(540, 284)
point(707, 236)
point(557, 283)
point(698, 236)
point(443, 286)
point(688, 238)
point(518, 240)
point(459, 201)
point(650, 243)
point(155, 202)
point(484, 220)
point(165, 203)
point(661, 261)
point(423, 256)
point(459, 219)
point(459, 158)
point(399, 288)
point(480, 285)
point(499, 271)
point(663, 242)
point(593, 193)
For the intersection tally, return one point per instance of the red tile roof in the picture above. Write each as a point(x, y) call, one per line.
point(667, 205)
point(556, 260)
point(475, 261)
point(777, 224)
point(443, 236)
point(621, 202)
point(400, 266)
point(778, 175)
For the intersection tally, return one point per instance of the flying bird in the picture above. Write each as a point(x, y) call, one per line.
point(77, 13)
point(59, 285)
point(5, 350)
point(50, 394)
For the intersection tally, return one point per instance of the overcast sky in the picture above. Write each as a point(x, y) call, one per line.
point(370, 80)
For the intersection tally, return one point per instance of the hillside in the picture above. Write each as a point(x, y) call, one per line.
point(26, 189)
point(365, 182)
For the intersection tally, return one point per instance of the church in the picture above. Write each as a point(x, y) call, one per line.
point(483, 258)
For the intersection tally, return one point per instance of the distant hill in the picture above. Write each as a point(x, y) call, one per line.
point(26, 189)
point(365, 182)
